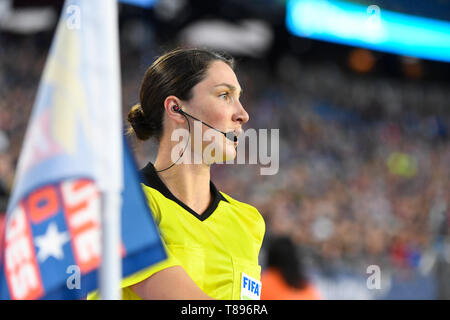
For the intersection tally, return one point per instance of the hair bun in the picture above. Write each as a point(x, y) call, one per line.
point(140, 124)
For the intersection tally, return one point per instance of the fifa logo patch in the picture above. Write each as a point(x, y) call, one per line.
point(250, 288)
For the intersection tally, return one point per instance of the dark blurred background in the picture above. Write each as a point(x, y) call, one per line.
point(364, 174)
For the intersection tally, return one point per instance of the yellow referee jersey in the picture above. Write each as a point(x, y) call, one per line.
point(218, 249)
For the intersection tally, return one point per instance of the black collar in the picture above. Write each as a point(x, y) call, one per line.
point(152, 180)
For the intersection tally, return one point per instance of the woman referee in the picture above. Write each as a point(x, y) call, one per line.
point(212, 240)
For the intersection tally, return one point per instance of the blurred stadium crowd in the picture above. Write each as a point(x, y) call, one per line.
point(364, 167)
point(364, 160)
point(363, 176)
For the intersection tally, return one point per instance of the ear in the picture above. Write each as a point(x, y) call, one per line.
point(169, 103)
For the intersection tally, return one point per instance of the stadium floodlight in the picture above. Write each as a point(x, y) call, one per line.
point(370, 27)
point(140, 3)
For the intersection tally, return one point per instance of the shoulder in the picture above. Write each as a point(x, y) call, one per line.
point(154, 200)
point(248, 215)
point(248, 208)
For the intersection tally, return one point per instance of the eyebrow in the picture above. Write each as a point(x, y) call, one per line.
point(230, 86)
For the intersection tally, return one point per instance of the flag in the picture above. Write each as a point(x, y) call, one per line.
point(73, 154)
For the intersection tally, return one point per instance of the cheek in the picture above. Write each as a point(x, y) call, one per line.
point(220, 120)
point(216, 113)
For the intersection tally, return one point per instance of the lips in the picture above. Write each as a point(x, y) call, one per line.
point(238, 132)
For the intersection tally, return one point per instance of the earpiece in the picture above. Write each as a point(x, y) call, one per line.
point(176, 108)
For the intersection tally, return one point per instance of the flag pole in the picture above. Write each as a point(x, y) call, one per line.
point(111, 264)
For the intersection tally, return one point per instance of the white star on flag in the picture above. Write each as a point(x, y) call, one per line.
point(51, 243)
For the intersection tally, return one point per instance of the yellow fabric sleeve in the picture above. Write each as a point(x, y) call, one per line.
point(127, 293)
point(145, 273)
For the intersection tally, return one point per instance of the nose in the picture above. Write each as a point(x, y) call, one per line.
point(240, 115)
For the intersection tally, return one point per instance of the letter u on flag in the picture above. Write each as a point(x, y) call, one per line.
point(76, 179)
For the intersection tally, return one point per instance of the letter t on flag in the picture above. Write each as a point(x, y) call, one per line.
point(75, 174)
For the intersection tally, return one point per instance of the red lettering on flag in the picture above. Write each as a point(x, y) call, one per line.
point(43, 203)
point(22, 272)
point(81, 201)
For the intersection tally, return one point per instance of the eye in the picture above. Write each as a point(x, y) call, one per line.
point(224, 96)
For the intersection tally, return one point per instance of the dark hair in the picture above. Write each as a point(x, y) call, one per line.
point(174, 73)
point(283, 255)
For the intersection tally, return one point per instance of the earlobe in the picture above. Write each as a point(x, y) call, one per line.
point(172, 106)
point(176, 113)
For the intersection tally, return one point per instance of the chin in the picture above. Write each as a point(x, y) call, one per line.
point(229, 154)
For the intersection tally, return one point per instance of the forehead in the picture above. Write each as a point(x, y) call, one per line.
point(220, 72)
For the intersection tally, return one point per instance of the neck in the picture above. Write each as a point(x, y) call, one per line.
point(190, 183)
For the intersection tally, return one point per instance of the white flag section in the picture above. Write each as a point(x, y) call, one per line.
point(77, 114)
point(69, 184)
